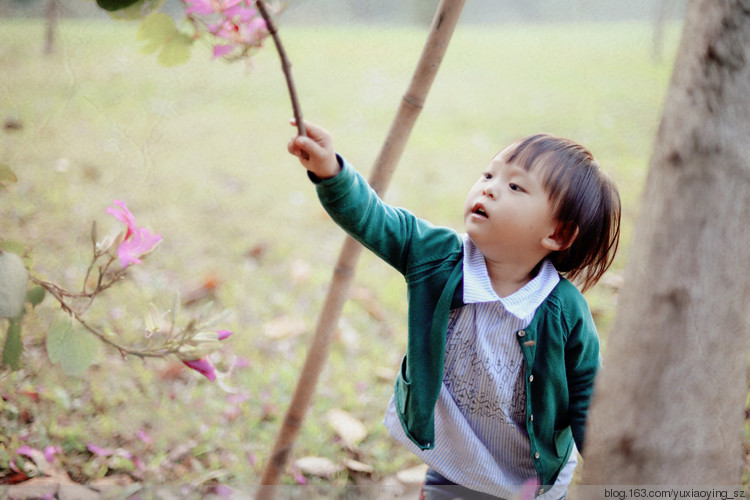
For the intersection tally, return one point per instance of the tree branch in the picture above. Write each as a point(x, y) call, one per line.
point(286, 66)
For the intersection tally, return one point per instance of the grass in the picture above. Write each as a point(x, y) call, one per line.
point(199, 154)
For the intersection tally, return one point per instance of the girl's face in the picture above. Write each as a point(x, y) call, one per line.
point(508, 209)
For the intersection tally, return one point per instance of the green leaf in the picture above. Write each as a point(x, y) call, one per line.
point(35, 296)
point(13, 347)
point(176, 51)
point(13, 280)
point(15, 247)
point(72, 349)
point(156, 30)
point(112, 5)
point(6, 176)
point(159, 34)
point(138, 10)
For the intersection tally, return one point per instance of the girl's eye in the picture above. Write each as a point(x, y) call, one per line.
point(486, 175)
point(515, 187)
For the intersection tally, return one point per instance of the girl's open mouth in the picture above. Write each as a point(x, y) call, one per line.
point(479, 210)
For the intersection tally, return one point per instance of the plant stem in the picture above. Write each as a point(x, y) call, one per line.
point(59, 293)
point(286, 66)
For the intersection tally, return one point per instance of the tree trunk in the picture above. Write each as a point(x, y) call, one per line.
point(668, 405)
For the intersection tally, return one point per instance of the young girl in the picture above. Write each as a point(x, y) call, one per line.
point(502, 350)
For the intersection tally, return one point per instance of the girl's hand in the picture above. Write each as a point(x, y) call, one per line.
point(315, 151)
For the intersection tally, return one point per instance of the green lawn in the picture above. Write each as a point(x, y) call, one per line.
point(199, 154)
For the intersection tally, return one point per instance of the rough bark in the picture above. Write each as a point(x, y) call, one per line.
point(668, 404)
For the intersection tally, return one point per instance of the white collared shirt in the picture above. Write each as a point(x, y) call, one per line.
point(480, 433)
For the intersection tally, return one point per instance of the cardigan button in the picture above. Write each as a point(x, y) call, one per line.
point(531, 418)
point(541, 491)
point(522, 333)
point(536, 455)
point(531, 378)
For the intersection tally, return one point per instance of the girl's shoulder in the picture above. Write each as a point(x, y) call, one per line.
point(568, 303)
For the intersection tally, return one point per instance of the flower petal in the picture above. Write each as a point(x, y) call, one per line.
point(99, 451)
point(222, 50)
point(123, 215)
point(141, 243)
point(224, 334)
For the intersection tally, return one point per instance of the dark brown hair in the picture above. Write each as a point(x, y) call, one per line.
point(582, 196)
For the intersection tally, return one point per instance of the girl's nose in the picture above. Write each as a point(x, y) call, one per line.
point(489, 191)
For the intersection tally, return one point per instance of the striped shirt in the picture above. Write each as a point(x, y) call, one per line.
point(480, 433)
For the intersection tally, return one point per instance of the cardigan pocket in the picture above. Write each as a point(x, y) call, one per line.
point(401, 389)
point(563, 441)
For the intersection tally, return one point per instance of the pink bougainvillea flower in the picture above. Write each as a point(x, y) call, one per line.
point(223, 334)
point(202, 366)
point(138, 241)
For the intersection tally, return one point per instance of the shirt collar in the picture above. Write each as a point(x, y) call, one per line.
point(522, 303)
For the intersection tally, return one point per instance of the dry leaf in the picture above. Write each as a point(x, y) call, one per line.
point(349, 429)
point(284, 327)
point(299, 272)
point(318, 466)
point(355, 466)
point(47, 468)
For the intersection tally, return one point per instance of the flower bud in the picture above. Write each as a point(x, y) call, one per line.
point(202, 366)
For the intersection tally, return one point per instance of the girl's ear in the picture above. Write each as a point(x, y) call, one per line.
point(564, 236)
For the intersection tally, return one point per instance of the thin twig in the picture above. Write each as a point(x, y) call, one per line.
point(286, 66)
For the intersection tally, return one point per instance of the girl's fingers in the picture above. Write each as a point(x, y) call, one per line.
point(313, 131)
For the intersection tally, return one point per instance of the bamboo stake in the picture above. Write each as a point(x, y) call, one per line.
point(443, 25)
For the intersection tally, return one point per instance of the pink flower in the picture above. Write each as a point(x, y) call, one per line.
point(51, 451)
point(123, 215)
point(27, 451)
point(139, 244)
point(144, 437)
point(138, 241)
point(99, 451)
point(528, 490)
point(236, 25)
point(222, 50)
point(202, 366)
point(203, 7)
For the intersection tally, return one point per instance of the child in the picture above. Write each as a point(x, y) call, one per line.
point(502, 350)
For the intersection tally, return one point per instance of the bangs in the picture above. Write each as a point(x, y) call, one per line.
point(564, 165)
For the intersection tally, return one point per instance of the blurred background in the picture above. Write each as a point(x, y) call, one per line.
point(412, 11)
